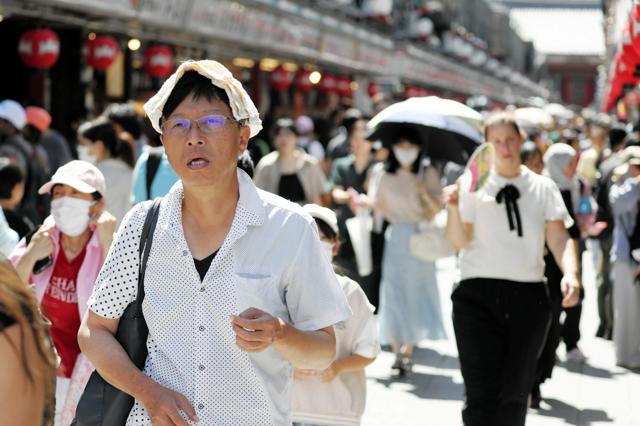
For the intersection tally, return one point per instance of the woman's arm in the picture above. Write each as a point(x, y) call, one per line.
point(565, 252)
point(457, 233)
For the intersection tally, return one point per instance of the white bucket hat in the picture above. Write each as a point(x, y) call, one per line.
point(241, 104)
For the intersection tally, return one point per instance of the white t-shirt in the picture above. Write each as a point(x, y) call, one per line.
point(271, 259)
point(498, 252)
point(342, 401)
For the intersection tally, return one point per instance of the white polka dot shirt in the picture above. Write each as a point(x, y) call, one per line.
point(271, 259)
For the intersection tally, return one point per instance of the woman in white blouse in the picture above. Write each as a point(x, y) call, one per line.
point(501, 307)
point(409, 299)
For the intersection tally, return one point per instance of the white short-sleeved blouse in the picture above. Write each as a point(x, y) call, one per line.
point(498, 252)
point(271, 260)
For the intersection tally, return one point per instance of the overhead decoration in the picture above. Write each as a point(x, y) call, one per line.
point(102, 52)
point(39, 48)
point(158, 61)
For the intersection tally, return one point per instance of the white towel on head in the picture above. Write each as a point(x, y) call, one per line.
point(241, 104)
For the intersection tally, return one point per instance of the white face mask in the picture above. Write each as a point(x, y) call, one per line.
point(71, 215)
point(85, 155)
point(406, 156)
point(328, 249)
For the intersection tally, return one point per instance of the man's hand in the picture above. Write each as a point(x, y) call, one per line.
point(570, 286)
point(256, 330)
point(164, 406)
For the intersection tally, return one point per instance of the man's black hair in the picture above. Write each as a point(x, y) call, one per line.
point(10, 176)
point(245, 163)
point(196, 85)
point(325, 229)
point(283, 123)
point(617, 133)
point(125, 115)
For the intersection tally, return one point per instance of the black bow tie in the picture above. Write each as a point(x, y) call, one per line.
point(510, 195)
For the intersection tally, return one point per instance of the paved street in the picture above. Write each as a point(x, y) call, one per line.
point(596, 393)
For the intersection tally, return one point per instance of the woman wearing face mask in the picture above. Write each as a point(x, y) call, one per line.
point(114, 158)
point(409, 300)
point(290, 172)
point(74, 240)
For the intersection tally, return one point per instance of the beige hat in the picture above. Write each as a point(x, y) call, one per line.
point(241, 104)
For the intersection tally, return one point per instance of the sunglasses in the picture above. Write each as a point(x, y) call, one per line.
point(182, 126)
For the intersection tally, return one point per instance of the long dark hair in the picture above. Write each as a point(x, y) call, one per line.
point(102, 130)
point(412, 136)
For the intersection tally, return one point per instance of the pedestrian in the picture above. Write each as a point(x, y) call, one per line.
point(54, 144)
point(307, 141)
point(560, 162)
point(128, 125)
point(349, 183)
point(353, 126)
point(13, 118)
point(114, 158)
point(624, 198)
point(62, 259)
point(289, 171)
point(237, 292)
point(337, 394)
point(409, 300)
point(501, 307)
point(531, 156)
point(11, 193)
point(28, 361)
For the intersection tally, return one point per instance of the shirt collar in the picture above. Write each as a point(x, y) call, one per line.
point(94, 240)
point(501, 180)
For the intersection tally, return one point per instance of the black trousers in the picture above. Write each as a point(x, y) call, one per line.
point(500, 328)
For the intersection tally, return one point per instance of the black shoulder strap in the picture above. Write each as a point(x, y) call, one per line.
point(153, 163)
point(145, 246)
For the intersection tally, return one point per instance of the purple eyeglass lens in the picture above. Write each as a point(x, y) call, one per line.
point(212, 121)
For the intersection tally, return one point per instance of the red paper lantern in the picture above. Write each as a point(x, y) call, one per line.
point(158, 61)
point(39, 48)
point(102, 52)
point(303, 83)
point(327, 84)
point(280, 79)
point(373, 89)
point(343, 87)
point(634, 28)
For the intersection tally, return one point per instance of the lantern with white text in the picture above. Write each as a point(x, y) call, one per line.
point(280, 79)
point(373, 89)
point(343, 87)
point(327, 84)
point(39, 48)
point(158, 61)
point(102, 52)
point(303, 84)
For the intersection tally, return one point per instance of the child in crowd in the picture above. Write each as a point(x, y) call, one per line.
point(336, 396)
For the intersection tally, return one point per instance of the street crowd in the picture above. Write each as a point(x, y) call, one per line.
point(271, 260)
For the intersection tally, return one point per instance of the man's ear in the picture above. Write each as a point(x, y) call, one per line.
point(243, 143)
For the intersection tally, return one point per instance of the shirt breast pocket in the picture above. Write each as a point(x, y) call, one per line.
point(259, 290)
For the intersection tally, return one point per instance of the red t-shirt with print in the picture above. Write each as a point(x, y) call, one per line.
point(60, 306)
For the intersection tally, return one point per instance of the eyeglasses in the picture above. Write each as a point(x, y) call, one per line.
point(208, 124)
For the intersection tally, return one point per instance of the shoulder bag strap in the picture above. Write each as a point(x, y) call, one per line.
point(145, 247)
point(153, 163)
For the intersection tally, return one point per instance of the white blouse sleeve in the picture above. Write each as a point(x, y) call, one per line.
point(313, 295)
point(555, 208)
point(117, 282)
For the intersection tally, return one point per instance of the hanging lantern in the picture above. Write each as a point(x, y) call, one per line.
point(373, 89)
point(327, 84)
point(39, 48)
point(102, 52)
point(280, 79)
point(343, 87)
point(158, 61)
point(303, 84)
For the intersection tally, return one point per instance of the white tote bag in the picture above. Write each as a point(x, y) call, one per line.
point(429, 243)
point(359, 228)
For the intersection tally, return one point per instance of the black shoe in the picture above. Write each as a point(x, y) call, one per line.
point(601, 331)
point(608, 334)
point(536, 398)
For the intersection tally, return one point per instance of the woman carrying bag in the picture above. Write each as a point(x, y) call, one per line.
point(501, 307)
point(409, 299)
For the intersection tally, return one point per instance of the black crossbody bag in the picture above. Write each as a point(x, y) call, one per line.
point(102, 404)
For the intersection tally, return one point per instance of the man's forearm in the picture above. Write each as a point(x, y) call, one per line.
point(112, 362)
point(311, 350)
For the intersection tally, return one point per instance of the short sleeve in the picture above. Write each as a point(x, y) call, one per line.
point(117, 282)
point(313, 295)
point(365, 342)
point(555, 208)
point(467, 206)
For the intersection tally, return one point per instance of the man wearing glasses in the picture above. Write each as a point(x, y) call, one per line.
point(237, 289)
